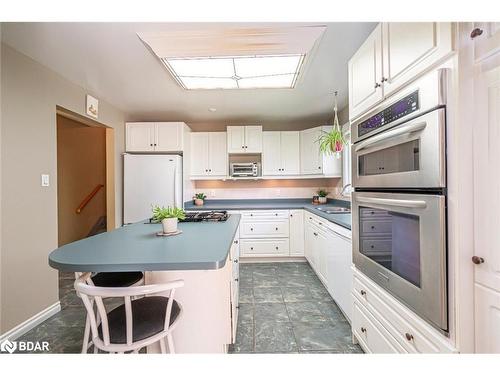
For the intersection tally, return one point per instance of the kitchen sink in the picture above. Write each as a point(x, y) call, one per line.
point(334, 210)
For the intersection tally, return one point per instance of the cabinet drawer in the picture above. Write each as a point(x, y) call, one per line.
point(376, 227)
point(265, 247)
point(260, 229)
point(373, 337)
point(374, 246)
point(412, 333)
point(264, 214)
point(368, 212)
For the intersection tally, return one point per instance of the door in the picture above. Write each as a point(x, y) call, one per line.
point(308, 239)
point(410, 155)
point(140, 136)
point(169, 136)
point(365, 75)
point(410, 48)
point(487, 319)
point(235, 139)
point(271, 154)
point(487, 43)
point(290, 153)
point(322, 249)
point(486, 155)
point(310, 158)
point(399, 241)
point(253, 139)
point(199, 154)
point(217, 154)
point(297, 233)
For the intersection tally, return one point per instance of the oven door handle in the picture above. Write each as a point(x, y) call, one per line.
point(410, 128)
point(393, 202)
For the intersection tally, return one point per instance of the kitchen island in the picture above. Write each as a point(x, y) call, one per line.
point(204, 255)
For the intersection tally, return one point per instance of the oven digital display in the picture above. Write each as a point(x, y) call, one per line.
point(397, 110)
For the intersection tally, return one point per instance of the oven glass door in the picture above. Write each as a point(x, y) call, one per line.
point(410, 155)
point(399, 241)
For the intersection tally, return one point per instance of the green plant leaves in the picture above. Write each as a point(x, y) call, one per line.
point(160, 213)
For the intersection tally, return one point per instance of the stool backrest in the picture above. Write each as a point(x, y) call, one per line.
point(89, 293)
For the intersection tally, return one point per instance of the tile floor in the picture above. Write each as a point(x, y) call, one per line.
point(284, 308)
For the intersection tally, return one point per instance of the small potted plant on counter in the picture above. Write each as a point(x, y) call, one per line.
point(168, 217)
point(199, 199)
point(322, 196)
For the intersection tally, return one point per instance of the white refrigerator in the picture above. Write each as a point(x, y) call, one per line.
point(150, 180)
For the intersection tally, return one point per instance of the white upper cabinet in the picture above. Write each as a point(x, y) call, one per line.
point(312, 161)
point(365, 75)
point(393, 55)
point(280, 153)
point(155, 136)
point(208, 155)
point(409, 48)
point(140, 136)
point(244, 139)
point(486, 36)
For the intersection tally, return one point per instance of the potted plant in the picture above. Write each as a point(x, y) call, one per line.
point(199, 199)
point(322, 196)
point(168, 217)
point(333, 142)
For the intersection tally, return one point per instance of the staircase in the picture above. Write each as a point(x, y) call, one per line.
point(100, 226)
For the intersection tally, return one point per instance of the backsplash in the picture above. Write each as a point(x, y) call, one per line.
point(262, 189)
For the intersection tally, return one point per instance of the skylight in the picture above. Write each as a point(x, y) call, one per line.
point(236, 72)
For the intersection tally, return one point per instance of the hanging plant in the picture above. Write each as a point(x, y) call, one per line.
point(333, 142)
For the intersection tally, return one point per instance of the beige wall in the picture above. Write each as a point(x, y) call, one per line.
point(30, 93)
point(81, 166)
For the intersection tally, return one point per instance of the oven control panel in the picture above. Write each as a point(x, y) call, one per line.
point(401, 108)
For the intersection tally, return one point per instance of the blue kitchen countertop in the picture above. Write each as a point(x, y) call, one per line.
point(343, 220)
point(135, 247)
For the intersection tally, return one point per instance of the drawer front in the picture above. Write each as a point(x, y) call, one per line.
point(264, 247)
point(368, 212)
point(375, 246)
point(376, 227)
point(371, 335)
point(260, 229)
point(264, 214)
point(415, 335)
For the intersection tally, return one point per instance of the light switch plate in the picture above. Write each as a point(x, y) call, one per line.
point(45, 180)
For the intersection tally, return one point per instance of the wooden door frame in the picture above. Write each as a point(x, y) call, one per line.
point(110, 160)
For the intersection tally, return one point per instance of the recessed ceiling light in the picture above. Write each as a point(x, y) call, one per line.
point(236, 72)
point(212, 109)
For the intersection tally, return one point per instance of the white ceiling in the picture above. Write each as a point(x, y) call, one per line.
point(111, 62)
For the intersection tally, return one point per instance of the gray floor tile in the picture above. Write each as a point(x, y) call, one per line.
point(246, 295)
point(246, 281)
point(271, 337)
point(244, 339)
point(270, 312)
point(265, 295)
point(293, 294)
point(264, 280)
point(307, 311)
point(331, 311)
point(246, 313)
point(322, 336)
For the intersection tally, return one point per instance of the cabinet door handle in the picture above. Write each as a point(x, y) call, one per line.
point(151, 144)
point(409, 336)
point(251, 248)
point(276, 247)
point(251, 229)
point(363, 293)
point(320, 223)
point(363, 329)
point(377, 85)
point(276, 228)
point(477, 260)
point(236, 279)
point(236, 261)
point(291, 215)
point(315, 233)
point(235, 241)
point(383, 79)
point(476, 32)
point(155, 144)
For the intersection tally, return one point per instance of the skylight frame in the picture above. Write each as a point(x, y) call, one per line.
point(178, 78)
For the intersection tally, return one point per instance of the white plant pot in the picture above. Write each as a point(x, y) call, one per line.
point(169, 225)
point(322, 200)
point(198, 202)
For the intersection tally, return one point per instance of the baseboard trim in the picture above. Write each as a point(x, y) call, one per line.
point(31, 323)
point(284, 259)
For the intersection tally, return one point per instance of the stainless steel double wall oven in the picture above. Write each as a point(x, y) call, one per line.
point(399, 202)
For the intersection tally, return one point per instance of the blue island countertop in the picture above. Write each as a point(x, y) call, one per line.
point(200, 246)
point(343, 220)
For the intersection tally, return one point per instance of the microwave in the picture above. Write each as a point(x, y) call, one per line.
point(244, 170)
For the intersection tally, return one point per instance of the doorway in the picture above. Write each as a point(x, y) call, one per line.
point(85, 177)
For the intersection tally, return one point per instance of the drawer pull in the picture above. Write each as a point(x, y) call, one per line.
point(363, 329)
point(251, 248)
point(251, 228)
point(236, 261)
point(409, 336)
point(476, 32)
point(320, 223)
point(373, 226)
point(275, 214)
point(315, 233)
point(363, 293)
point(276, 228)
point(235, 241)
point(236, 279)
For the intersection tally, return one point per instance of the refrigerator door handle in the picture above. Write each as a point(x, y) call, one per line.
point(175, 185)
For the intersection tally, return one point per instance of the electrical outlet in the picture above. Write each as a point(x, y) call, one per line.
point(45, 180)
point(278, 192)
point(212, 193)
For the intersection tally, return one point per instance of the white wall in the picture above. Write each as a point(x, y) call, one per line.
point(29, 96)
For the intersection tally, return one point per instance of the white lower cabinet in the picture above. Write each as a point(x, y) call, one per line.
point(265, 247)
point(487, 319)
point(399, 326)
point(234, 258)
point(296, 232)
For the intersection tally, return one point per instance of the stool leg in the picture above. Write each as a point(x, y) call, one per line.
point(163, 349)
point(170, 341)
point(86, 335)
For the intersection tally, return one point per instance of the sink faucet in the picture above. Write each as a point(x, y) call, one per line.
point(344, 188)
